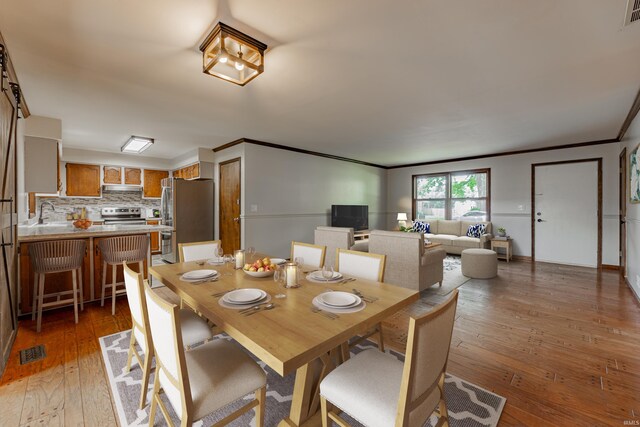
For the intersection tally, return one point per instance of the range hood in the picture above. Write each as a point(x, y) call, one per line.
point(121, 188)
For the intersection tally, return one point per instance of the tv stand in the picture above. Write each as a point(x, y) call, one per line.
point(361, 234)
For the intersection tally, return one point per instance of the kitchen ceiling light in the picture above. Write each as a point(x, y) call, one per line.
point(232, 55)
point(137, 144)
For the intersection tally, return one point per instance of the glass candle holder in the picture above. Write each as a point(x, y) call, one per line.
point(239, 255)
point(291, 272)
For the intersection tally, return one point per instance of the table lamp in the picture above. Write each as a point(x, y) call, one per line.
point(402, 219)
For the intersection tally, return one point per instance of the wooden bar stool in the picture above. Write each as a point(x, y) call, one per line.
point(55, 257)
point(115, 251)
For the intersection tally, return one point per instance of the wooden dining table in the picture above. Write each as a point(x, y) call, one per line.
point(290, 337)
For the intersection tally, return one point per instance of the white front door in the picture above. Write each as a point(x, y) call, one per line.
point(566, 213)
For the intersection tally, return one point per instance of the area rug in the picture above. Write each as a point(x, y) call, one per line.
point(468, 404)
point(452, 276)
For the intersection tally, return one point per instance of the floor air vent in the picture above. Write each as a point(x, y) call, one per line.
point(32, 354)
point(633, 12)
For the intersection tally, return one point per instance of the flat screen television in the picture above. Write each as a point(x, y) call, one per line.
point(354, 216)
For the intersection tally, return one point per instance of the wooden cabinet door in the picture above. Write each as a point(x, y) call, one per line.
point(153, 182)
point(112, 175)
point(132, 176)
point(83, 180)
point(155, 238)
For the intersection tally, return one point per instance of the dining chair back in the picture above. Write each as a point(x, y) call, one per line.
point(361, 265)
point(313, 255)
point(198, 250)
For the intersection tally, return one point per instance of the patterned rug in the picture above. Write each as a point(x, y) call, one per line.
point(468, 404)
point(452, 276)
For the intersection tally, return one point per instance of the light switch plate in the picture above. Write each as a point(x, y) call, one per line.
point(254, 208)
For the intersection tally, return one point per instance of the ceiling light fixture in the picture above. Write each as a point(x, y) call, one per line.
point(137, 144)
point(232, 55)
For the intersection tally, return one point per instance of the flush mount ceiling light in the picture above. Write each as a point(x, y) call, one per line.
point(137, 144)
point(232, 55)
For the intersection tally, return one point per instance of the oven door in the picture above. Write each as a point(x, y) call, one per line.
point(169, 246)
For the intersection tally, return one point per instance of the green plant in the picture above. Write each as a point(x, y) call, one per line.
point(502, 230)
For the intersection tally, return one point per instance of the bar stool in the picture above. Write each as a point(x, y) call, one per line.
point(55, 257)
point(115, 251)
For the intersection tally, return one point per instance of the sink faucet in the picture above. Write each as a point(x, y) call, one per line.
point(40, 218)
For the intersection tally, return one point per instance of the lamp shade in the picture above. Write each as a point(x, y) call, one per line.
point(402, 216)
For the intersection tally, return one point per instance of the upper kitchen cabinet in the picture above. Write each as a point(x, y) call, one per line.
point(112, 175)
point(132, 176)
point(188, 172)
point(42, 165)
point(83, 180)
point(153, 182)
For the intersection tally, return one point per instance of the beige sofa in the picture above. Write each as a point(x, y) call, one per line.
point(408, 264)
point(333, 238)
point(453, 235)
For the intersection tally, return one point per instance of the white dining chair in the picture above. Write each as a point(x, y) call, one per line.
point(378, 390)
point(313, 255)
point(194, 329)
point(203, 380)
point(362, 265)
point(198, 250)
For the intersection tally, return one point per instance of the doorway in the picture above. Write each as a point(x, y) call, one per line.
point(566, 212)
point(229, 203)
point(623, 212)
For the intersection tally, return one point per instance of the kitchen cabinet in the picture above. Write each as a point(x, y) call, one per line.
point(153, 182)
point(133, 176)
point(42, 165)
point(188, 172)
point(155, 238)
point(112, 174)
point(83, 180)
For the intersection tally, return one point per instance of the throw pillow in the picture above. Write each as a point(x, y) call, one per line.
point(421, 226)
point(476, 230)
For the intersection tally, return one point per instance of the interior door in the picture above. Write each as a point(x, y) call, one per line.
point(8, 229)
point(230, 205)
point(566, 213)
point(623, 212)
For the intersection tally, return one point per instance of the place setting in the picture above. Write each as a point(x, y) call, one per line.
point(200, 276)
point(327, 275)
point(338, 302)
point(247, 300)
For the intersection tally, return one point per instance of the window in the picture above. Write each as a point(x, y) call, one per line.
point(462, 195)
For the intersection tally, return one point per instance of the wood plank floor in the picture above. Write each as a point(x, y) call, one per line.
point(562, 344)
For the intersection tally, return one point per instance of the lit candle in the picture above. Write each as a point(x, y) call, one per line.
point(239, 258)
point(291, 269)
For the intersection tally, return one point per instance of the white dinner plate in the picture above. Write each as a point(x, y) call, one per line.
point(199, 274)
point(339, 299)
point(244, 296)
point(278, 261)
point(318, 275)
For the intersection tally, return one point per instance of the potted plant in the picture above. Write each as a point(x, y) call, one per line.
point(502, 232)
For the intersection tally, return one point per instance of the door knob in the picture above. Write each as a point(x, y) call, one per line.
point(541, 220)
point(236, 219)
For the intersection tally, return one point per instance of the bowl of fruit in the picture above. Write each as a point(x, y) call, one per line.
point(260, 268)
point(82, 224)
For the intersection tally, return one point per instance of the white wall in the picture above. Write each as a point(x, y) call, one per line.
point(511, 192)
point(631, 141)
point(288, 194)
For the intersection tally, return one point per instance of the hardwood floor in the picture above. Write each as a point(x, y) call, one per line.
point(562, 344)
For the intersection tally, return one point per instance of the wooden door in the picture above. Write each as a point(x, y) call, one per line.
point(8, 221)
point(155, 238)
point(132, 176)
point(229, 203)
point(83, 180)
point(112, 175)
point(623, 212)
point(153, 182)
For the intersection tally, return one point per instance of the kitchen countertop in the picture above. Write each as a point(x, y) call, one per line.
point(36, 233)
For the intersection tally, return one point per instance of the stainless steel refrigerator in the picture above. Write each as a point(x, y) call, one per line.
point(187, 206)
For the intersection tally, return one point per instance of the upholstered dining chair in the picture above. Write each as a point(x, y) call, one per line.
point(194, 329)
point(366, 266)
point(204, 379)
point(313, 255)
point(198, 250)
point(398, 394)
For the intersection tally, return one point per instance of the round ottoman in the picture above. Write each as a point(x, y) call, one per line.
point(479, 263)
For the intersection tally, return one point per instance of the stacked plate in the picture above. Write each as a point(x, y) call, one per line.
point(243, 298)
point(199, 275)
point(278, 261)
point(339, 302)
point(316, 277)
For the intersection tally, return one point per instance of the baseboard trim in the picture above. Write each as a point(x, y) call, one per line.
point(521, 258)
point(610, 267)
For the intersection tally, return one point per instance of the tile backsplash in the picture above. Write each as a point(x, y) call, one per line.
point(65, 205)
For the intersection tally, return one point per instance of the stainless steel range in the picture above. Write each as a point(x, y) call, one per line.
point(127, 216)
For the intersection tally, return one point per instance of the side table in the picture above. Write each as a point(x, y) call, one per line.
point(506, 244)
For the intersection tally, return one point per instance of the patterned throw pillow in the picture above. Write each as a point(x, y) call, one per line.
point(476, 230)
point(421, 227)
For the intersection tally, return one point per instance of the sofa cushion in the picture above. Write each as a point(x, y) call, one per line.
point(476, 230)
point(467, 242)
point(449, 227)
point(445, 239)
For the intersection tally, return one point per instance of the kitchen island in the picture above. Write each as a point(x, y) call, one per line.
point(92, 274)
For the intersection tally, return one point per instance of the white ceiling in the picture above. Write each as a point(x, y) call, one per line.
point(387, 82)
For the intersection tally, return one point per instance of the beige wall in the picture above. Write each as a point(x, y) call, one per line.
point(631, 141)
